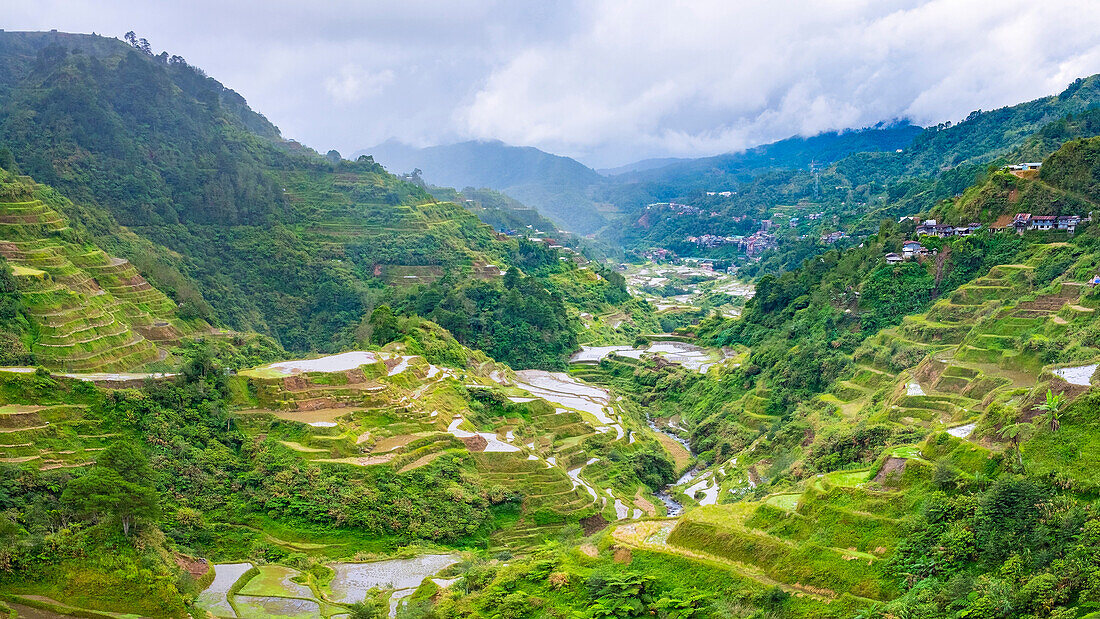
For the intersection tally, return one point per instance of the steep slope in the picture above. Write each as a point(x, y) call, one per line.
point(83, 309)
point(1066, 184)
point(965, 413)
point(500, 211)
point(171, 170)
point(559, 187)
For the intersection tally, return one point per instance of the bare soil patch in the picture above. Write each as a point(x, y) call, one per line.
point(475, 442)
point(419, 462)
point(892, 467)
point(304, 416)
point(393, 442)
point(643, 504)
point(593, 524)
point(194, 566)
point(623, 555)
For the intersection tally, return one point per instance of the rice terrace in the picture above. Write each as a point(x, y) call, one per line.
point(604, 310)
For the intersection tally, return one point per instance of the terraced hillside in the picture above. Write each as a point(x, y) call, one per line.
point(87, 311)
point(50, 437)
point(537, 435)
point(933, 390)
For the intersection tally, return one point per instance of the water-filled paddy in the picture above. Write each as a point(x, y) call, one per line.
point(690, 356)
point(492, 443)
point(265, 606)
point(564, 390)
point(353, 580)
point(275, 580)
point(214, 598)
point(332, 363)
point(962, 431)
point(1079, 375)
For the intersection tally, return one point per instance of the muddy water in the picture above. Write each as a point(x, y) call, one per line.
point(214, 598)
point(26, 612)
point(353, 580)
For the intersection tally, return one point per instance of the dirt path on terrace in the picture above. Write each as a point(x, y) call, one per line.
point(421, 461)
point(643, 504)
point(313, 416)
point(680, 456)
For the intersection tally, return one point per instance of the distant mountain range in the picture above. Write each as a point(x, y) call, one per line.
point(583, 200)
point(644, 164)
point(559, 187)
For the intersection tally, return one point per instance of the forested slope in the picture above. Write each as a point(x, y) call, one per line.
point(171, 170)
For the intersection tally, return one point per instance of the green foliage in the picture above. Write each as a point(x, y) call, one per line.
point(383, 326)
point(1046, 568)
point(13, 322)
point(516, 320)
point(117, 487)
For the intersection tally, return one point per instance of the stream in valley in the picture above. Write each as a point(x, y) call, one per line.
point(672, 506)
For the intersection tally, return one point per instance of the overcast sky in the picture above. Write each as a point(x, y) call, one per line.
point(605, 81)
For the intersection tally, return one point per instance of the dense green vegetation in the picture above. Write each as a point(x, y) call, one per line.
point(241, 227)
point(873, 439)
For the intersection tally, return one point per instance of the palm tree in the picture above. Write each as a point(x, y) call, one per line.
point(1018, 433)
point(1052, 410)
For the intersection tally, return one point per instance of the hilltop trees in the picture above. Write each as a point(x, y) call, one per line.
point(118, 487)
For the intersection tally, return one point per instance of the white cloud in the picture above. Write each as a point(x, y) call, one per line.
point(605, 80)
point(353, 84)
point(654, 77)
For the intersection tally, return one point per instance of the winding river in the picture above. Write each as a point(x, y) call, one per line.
point(672, 506)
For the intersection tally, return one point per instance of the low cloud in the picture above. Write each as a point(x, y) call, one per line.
point(714, 76)
point(352, 84)
point(607, 81)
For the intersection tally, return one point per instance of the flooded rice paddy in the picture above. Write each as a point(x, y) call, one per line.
point(962, 431)
point(564, 390)
point(493, 443)
point(403, 576)
point(267, 606)
point(690, 356)
point(1079, 375)
point(214, 599)
point(272, 592)
point(332, 363)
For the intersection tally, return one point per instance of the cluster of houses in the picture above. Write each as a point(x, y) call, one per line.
point(751, 245)
point(1022, 167)
point(909, 250)
point(724, 194)
point(756, 243)
point(930, 228)
point(1024, 222)
point(680, 209)
point(536, 236)
point(713, 240)
point(832, 237)
point(658, 254)
point(1020, 223)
